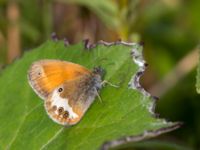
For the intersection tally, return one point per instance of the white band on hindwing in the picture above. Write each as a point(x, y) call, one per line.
point(62, 102)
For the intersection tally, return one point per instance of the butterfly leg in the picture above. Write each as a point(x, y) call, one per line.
point(109, 83)
point(99, 97)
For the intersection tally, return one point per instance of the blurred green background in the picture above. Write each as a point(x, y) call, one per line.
point(170, 30)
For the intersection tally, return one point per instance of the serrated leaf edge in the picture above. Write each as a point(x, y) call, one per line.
point(134, 83)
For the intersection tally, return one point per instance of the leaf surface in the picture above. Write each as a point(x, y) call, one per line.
point(124, 115)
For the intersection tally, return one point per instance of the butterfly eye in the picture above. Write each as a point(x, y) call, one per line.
point(60, 90)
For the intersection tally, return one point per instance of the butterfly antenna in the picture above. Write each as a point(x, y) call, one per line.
point(109, 83)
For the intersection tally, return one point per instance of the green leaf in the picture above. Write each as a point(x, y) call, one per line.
point(125, 115)
point(198, 76)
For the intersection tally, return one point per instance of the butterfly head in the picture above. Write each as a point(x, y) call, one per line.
point(99, 71)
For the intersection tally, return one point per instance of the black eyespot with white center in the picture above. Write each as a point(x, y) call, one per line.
point(60, 90)
point(60, 110)
point(66, 114)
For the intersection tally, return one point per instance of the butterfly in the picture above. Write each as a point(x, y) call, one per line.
point(68, 89)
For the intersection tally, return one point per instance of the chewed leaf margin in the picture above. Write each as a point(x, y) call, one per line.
point(134, 83)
